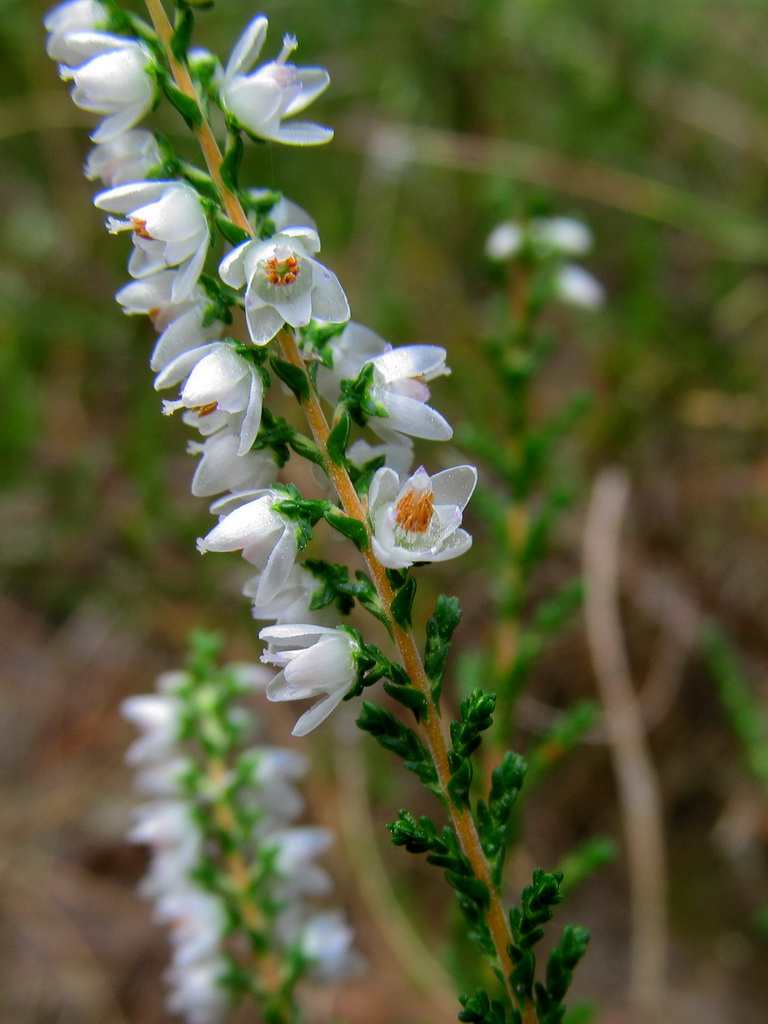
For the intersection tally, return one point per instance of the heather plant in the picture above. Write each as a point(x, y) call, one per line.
point(257, 349)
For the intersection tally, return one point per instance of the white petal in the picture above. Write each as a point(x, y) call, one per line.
point(317, 713)
point(183, 365)
point(263, 323)
point(454, 486)
point(247, 524)
point(114, 125)
point(189, 272)
point(306, 236)
point(410, 361)
point(231, 268)
point(182, 334)
point(247, 48)
point(384, 487)
point(132, 196)
point(457, 544)
point(296, 634)
point(278, 567)
point(392, 557)
point(415, 418)
point(313, 81)
point(146, 295)
point(328, 299)
point(252, 420)
point(302, 133)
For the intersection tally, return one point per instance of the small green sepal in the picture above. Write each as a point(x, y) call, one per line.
point(232, 232)
point(186, 105)
point(338, 439)
point(292, 376)
point(402, 603)
point(412, 699)
point(349, 527)
point(233, 155)
point(182, 33)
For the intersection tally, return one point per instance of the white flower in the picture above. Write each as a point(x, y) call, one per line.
point(266, 538)
point(112, 77)
point(562, 235)
point(125, 158)
point(399, 386)
point(576, 285)
point(350, 350)
point(316, 662)
point(275, 772)
point(565, 235)
point(283, 283)
point(164, 778)
point(166, 826)
point(291, 603)
point(180, 324)
point(505, 241)
point(170, 229)
point(295, 849)
point(217, 378)
point(197, 992)
point(420, 520)
point(261, 99)
point(66, 19)
point(223, 468)
point(197, 923)
point(326, 940)
point(158, 716)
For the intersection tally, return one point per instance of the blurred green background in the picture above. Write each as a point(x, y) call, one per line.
point(649, 121)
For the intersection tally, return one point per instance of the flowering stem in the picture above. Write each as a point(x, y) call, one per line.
point(240, 876)
point(434, 736)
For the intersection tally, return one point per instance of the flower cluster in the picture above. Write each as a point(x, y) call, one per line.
point(182, 824)
point(555, 239)
point(284, 291)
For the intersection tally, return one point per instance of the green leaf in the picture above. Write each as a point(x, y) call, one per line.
point(409, 698)
point(562, 962)
point(350, 527)
point(182, 34)
point(460, 783)
point(339, 588)
point(440, 629)
point(493, 818)
point(307, 449)
point(480, 1009)
point(294, 377)
point(338, 439)
point(232, 232)
point(402, 603)
point(474, 888)
point(233, 155)
point(393, 735)
point(417, 835)
point(186, 105)
point(476, 716)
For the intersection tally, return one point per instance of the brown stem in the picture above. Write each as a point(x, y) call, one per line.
point(240, 876)
point(462, 820)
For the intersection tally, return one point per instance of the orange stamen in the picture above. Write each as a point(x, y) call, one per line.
point(282, 272)
point(140, 228)
point(414, 511)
